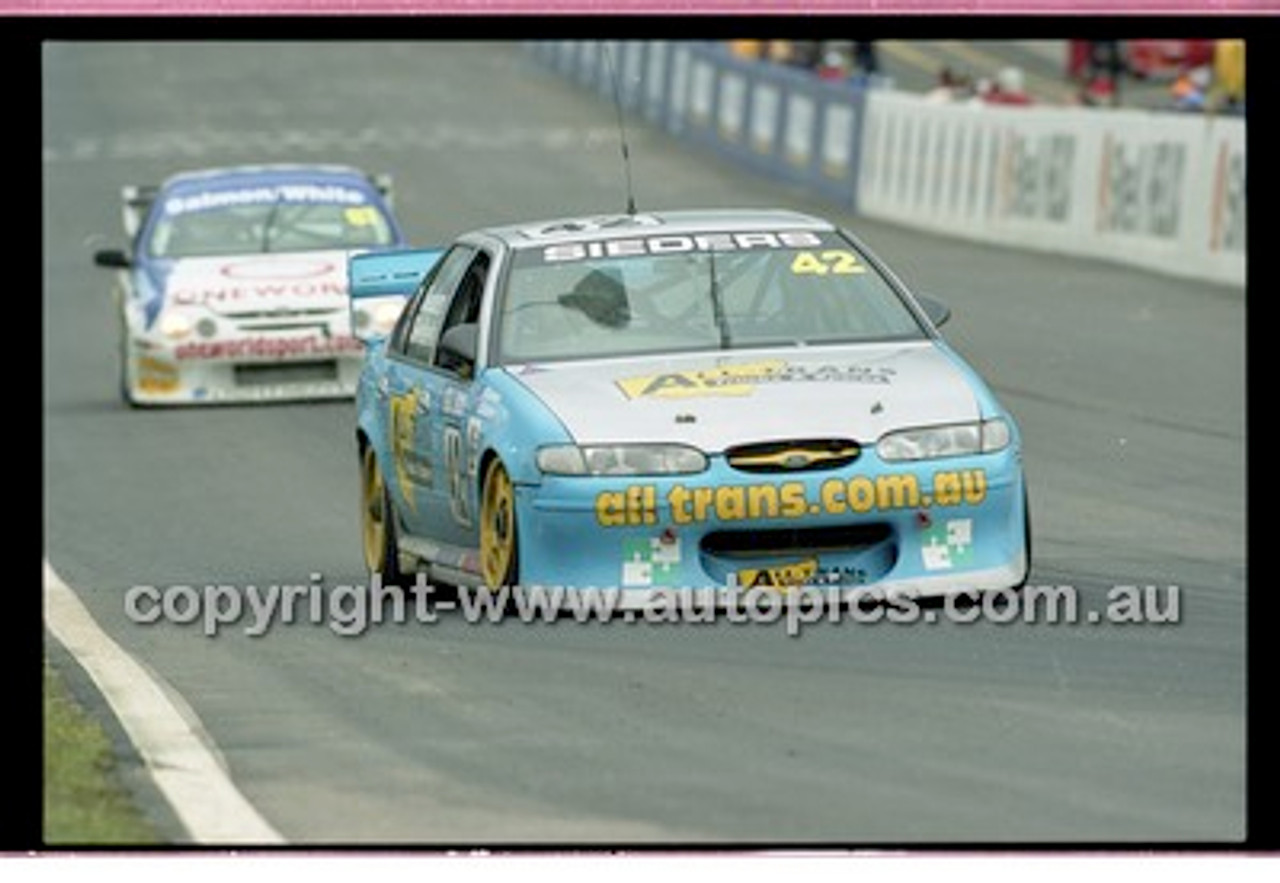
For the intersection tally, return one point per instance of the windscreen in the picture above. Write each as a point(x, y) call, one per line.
point(268, 219)
point(712, 291)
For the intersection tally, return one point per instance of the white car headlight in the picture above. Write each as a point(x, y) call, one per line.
point(621, 460)
point(175, 325)
point(954, 440)
point(378, 319)
point(385, 316)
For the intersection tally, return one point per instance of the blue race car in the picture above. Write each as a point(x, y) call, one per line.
point(688, 399)
point(234, 285)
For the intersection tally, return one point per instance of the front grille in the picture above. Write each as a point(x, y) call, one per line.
point(286, 372)
point(792, 541)
point(318, 330)
point(280, 314)
point(800, 455)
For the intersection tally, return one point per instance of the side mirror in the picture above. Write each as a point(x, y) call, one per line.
point(936, 310)
point(385, 185)
point(458, 347)
point(113, 258)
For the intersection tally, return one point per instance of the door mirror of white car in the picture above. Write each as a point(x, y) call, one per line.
point(936, 310)
point(113, 258)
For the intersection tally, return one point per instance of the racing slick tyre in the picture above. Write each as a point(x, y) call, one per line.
point(1026, 539)
point(499, 558)
point(126, 391)
point(378, 523)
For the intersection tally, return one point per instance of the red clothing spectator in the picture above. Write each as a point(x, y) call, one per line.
point(1007, 89)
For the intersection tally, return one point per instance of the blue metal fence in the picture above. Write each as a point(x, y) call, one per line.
point(771, 119)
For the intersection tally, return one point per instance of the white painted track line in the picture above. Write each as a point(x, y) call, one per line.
point(187, 773)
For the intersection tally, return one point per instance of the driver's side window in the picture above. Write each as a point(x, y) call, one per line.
point(463, 310)
point(418, 341)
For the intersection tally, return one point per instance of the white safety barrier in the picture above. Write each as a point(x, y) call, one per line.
point(1163, 191)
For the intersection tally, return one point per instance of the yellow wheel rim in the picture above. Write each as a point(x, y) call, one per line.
point(497, 527)
point(373, 516)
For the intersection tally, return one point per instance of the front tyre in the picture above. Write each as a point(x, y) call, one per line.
point(499, 559)
point(378, 522)
point(1026, 538)
point(126, 384)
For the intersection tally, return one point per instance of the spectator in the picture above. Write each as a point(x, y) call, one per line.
point(1228, 75)
point(1103, 69)
point(778, 51)
point(1008, 88)
point(805, 54)
point(951, 86)
point(834, 63)
point(1078, 52)
point(793, 53)
point(865, 58)
point(1191, 89)
point(982, 87)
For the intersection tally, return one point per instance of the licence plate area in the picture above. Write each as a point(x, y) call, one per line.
point(846, 555)
point(275, 373)
point(778, 576)
point(799, 541)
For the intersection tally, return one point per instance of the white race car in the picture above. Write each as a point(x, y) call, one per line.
point(234, 286)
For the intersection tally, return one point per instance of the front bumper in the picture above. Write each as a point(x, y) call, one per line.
point(243, 370)
point(927, 528)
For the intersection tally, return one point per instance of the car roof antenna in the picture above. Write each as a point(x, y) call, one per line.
point(622, 129)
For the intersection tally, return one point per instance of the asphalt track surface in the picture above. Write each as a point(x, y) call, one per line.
point(1129, 386)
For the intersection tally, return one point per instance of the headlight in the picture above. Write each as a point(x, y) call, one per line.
point(385, 316)
point(621, 460)
point(955, 440)
point(175, 325)
point(379, 319)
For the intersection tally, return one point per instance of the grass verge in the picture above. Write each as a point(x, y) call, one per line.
point(85, 804)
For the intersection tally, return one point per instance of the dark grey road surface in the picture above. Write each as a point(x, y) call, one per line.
point(1130, 388)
